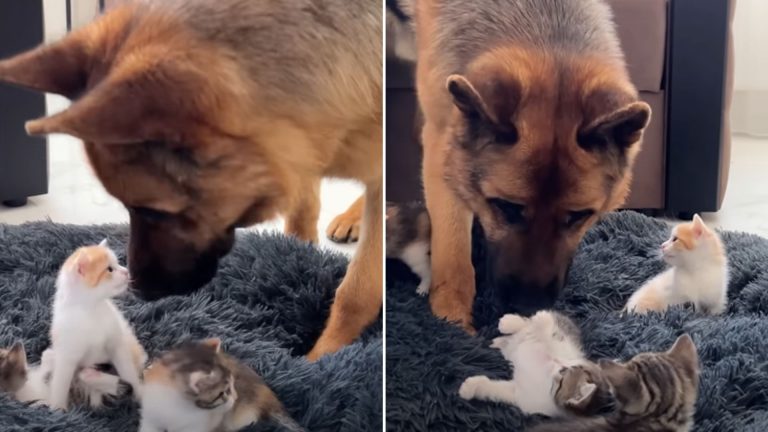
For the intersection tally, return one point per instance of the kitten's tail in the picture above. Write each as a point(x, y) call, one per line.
point(286, 421)
point(590, 424)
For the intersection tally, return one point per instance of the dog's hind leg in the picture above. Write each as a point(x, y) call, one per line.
point(345, 228)
point(301, 219)
point(453, 278)
point(358, 298)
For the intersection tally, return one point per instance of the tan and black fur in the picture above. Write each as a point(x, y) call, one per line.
point(653, 392)
point(210, 378)
point(203, 116)
point(532, 126)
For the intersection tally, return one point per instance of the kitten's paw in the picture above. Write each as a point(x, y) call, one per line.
point(499, 342)
point(469, 387)
point(96, 400)
point(511, 323)
point(57, 406)
point(46, 359)
point(423, 288)
point(89, 374)
point(138, 391)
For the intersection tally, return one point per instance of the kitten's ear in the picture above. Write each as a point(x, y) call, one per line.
point(103, 243)
point(83, 262)
point(195, 378)
point(213, 343)
point(698, 225)
point(17, 354)
point(584, 396)
point(684, 351)
point(613, 370)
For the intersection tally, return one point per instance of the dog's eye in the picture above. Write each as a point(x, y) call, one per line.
point(151, 215)
point(674, 239)
point(110, 269)
point(507, 135)
point(513, 213)
point(576, 217)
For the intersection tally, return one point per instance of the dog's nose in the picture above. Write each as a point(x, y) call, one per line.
point(516, 296)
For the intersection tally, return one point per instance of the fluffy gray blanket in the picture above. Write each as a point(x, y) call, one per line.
point(268, 303)
point(428, 359)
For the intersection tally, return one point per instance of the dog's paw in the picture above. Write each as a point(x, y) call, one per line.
point(469, 387)
point(511, 323)
point(344, 228)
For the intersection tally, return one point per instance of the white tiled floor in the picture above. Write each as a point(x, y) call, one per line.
point(76, 196)
point(745, 207)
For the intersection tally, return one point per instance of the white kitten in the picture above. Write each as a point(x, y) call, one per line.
point(698, 273)
point(538, 348)
point(87, 328)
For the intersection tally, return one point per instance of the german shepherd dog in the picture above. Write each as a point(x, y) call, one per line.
point(202, 116)
point(531, 125)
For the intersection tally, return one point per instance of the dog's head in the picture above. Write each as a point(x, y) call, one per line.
point(168, 133)
point(541, 147)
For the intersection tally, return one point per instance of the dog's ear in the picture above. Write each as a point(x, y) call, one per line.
point(61, 67)
point(492, 98)
point(465, 96)
point(613, 117)
point(137, 103)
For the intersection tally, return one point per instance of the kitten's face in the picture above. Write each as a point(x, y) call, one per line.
point(686, 239)
point(13, 368)
point(638, 382)
point(200, 372)
point(98, 271)
point(583, 391)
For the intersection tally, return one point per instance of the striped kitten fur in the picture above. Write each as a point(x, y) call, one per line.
point(408, 239)
point(654, 392)
point(25, 383)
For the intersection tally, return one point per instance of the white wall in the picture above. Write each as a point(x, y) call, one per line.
point(749, 112)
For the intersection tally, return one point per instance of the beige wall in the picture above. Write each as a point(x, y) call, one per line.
point(749, 112)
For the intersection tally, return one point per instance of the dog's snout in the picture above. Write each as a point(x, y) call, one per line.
point(525, 298)
point(153, 283)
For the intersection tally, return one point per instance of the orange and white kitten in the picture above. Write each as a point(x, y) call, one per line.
point(87, 328)
point(698, 273)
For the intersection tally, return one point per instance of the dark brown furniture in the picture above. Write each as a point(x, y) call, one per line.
point(680, 58)
point(23, 159)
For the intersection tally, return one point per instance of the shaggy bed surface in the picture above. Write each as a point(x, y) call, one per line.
point(267, 303)
point(428, 359)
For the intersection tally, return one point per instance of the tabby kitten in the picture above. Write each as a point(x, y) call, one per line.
point(408, 239)
point(32, 384)
point(198, 388)
point(654, 392)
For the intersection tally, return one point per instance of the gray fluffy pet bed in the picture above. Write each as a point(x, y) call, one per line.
point(268, 303)
point(428, 359)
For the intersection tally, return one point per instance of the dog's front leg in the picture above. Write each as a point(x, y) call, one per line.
point(358, 298)
point(453, 278)
point(301, 219)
